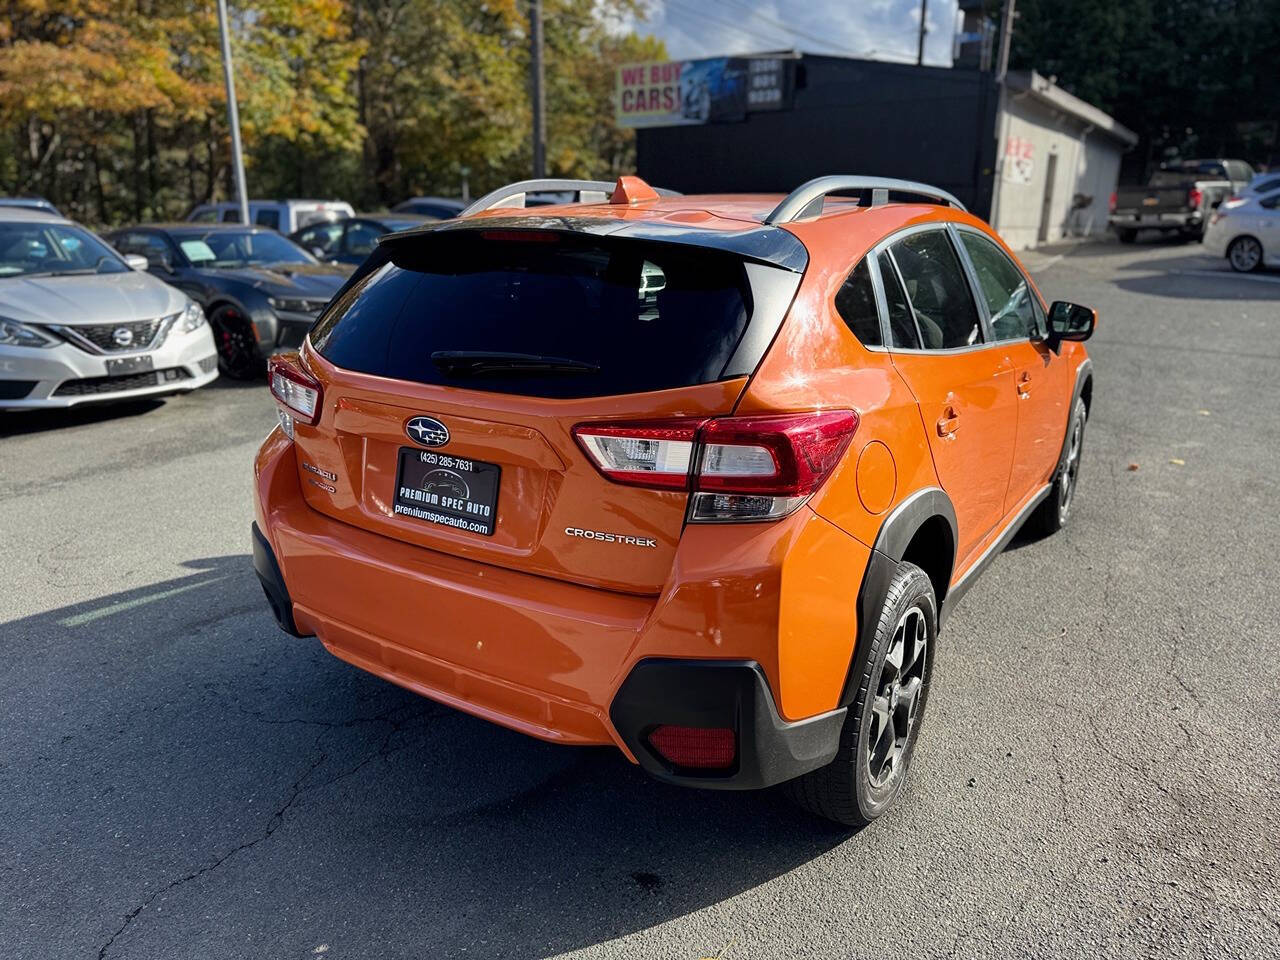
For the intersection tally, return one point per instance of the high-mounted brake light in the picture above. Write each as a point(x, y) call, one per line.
point(297, 392)
point(738, 468)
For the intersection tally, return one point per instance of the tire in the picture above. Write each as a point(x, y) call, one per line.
point(1244, 254)
point(238, 355)
point(846, 790)
point(1052, 514)
point(1127, 236)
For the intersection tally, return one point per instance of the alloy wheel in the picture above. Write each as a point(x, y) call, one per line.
point(235, 342)
point(1245, 254)
point(896, 706)
point(1070, 470)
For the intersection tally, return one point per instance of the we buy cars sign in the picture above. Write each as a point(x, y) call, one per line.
point(668, 93)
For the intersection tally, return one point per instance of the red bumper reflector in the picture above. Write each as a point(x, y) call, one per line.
point(697, 748)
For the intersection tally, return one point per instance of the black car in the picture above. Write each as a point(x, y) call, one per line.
point(440, 208)
point(350, 241)
point(260, 291)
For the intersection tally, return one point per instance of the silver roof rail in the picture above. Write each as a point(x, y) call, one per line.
point(514, 194)
point(806, 199)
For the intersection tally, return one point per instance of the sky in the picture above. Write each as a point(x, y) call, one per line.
point(878, 29)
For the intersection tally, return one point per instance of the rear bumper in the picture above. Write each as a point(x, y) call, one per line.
point(757, 647)
point(721, 693)
point(1182, 220)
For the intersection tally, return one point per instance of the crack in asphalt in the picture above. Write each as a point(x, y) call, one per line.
point(276, 820)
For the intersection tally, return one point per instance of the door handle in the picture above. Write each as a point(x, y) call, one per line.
point(1024, 385)
point(948, 423)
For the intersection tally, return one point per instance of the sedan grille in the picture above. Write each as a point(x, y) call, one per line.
point(127, 337)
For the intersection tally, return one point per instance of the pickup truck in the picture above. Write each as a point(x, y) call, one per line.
point(1179, 197)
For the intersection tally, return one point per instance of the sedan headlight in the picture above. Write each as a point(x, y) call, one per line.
point(295, 304)
point(15, 334)
point(191, 318)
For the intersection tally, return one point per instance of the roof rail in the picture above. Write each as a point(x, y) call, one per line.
point(806, 199)
point(514, 194)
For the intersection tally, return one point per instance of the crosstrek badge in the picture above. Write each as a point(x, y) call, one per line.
point(610, 537)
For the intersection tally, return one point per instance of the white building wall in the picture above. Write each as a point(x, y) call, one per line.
point(1088, 163)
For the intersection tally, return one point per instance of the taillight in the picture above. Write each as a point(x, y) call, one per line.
point(1194, 198)
point(1113, 202)
point(737, 468)
point(641, 454)
point(695, 748)
point(297, 392)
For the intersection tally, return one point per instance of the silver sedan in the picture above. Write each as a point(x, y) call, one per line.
point(79, 323)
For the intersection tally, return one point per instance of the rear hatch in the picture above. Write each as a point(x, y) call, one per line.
point(455, 368)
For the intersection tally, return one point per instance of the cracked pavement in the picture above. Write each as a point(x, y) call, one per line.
point(1098, 773)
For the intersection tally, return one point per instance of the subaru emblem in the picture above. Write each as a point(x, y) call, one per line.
point(427, 431)
point(122, 336)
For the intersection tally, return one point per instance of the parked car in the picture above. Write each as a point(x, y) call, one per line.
point(350, 241)
point(286, 216)
point(441, 208)
point(30, 203)
point(1246, 230)
point(1178, 198)
point(80, 323)
point(261, 291)
point(702, 490)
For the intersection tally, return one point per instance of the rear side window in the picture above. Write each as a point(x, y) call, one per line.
point(937, 290)
point(902, 329)
point(268, 218)
point(856, 304)
point(629, 316)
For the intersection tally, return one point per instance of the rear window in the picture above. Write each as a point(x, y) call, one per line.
point(629, 316)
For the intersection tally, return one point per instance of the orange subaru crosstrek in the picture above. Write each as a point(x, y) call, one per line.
point(697, 476)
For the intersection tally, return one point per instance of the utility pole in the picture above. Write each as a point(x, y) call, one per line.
point(233, 115)
point(1006, 37)
point(924, 13)
point(536, 91)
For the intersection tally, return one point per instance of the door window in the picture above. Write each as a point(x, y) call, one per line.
point(902, 329)
point(323, 237)
point(267, 218)
point(856, 304)
point(1007, 294)
point(361, 238)
point(936, 288)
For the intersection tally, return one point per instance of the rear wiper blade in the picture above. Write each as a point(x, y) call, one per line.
point(469, 363)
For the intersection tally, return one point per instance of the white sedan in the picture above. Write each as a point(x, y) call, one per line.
point(1246, 230)
point(79, 323)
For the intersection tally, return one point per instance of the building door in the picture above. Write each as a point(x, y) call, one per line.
point(1046, 206)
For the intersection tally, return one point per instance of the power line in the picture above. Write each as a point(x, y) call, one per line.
point(716, 21)
point(792, 31)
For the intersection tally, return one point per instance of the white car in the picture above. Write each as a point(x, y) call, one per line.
point(1246, 230)
point(78, 323)
point(287, 216)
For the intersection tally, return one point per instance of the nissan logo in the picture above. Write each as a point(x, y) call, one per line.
point(427, 431)
point(122, 336)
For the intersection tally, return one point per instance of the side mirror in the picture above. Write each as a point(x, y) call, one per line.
point(135, 262)
point(1070, 321)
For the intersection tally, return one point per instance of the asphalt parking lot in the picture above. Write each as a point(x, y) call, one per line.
point(1098, 775)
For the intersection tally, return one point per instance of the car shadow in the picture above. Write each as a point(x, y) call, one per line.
point(189, 751)
point(14, 423)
